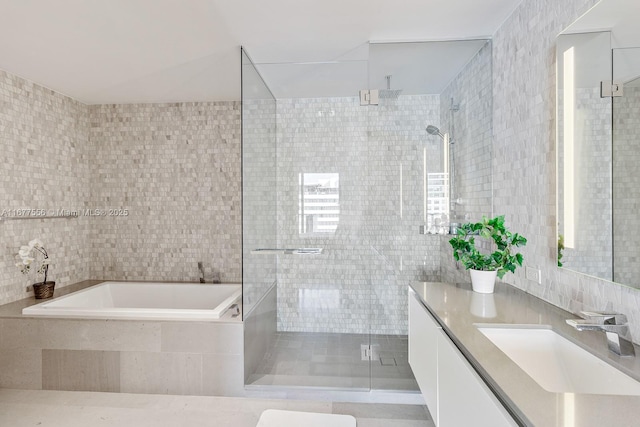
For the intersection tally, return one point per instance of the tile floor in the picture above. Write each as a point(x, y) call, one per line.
point(21, 408)
point(335, 360)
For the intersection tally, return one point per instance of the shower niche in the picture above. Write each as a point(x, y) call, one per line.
point(322, 170)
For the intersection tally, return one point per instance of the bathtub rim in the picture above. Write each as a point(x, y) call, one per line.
point(142, 314)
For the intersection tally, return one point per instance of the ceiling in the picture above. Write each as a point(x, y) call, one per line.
point(414, 68)
point(126, 51)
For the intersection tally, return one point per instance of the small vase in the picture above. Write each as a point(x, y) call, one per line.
point(43, 290)
point(483, 282)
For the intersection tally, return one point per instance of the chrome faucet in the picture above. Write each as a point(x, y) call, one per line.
point(201, 269)
point(614, 325)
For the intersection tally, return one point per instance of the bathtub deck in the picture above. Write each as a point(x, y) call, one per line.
point(20, 408)
point(14, 309)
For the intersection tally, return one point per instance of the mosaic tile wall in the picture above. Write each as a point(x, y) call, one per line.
point(626, 151)
point(470, 126)
point(377, 246)
point(156, 186)
point(524, 159)
point(175, 169)
point(472, 149)
point(44, 158)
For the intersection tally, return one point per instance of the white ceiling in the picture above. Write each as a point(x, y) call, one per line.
point(415, 69)
point(125, 51)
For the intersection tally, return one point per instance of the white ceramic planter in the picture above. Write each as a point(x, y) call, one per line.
point(483, 282)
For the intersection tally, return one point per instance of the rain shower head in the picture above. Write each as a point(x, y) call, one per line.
point(433, 130)
point(389, 93)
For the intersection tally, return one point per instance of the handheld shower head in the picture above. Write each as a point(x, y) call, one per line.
point(433, 130)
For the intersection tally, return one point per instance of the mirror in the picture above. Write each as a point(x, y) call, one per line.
point(626, 171)
point(598, 138)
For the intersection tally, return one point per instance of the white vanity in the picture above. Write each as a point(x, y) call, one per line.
point(455, 394)
point(467, 379)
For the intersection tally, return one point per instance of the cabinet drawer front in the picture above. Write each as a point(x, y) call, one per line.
point(423, 353)
point(463, 397)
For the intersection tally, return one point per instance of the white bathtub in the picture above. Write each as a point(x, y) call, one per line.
point(143, 300)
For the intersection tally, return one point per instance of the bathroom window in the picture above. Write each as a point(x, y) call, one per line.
point(437, 194)
point(319, 203)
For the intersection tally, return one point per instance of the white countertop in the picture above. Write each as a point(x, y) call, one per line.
point(458, 309)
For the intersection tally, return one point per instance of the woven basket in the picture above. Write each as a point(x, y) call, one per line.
point(43, 290)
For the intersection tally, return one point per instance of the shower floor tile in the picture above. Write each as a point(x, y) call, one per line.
point(335, 360)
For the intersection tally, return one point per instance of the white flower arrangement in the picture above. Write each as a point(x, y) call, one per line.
point(28, 256)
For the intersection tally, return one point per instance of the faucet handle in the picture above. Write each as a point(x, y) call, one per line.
point(606, 317)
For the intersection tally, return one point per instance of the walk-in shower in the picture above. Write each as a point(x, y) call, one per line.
point(321, 170)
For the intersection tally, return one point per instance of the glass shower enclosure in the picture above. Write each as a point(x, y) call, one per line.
point(339, 176)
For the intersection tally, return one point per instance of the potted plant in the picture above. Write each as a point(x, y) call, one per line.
point(28, 254)
point(484, 267)
point(560, 249)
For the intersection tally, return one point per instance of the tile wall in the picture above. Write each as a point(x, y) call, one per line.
point(524, 156)
point(472, 149)
point(174, 168)
point(470, 128)
point(377, 247)
point(45, 166)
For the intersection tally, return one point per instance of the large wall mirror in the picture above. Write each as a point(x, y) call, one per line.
point(598, 135)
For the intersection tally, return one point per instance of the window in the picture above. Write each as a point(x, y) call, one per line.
point(319, 202)
point(437, 198)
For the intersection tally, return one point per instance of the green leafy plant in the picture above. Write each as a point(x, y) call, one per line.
point(560, 248)
point(502, 259)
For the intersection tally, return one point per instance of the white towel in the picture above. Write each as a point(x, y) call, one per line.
point(278, 418)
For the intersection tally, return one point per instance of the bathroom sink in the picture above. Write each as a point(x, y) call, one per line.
point(557, 364)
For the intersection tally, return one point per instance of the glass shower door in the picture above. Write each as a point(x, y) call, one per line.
point(323, 179)
point(444, 86)
point(399, 150)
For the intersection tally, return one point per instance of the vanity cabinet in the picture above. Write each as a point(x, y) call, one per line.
point(423, 356)
point(453, 391)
